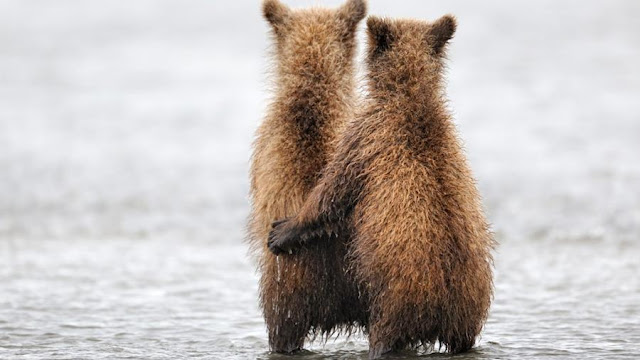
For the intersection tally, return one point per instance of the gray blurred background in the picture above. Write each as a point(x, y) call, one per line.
point(125, 135)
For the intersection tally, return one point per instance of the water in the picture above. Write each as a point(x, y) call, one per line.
point(124, 143)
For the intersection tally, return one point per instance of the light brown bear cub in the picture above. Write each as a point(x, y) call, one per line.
point(400, 184)
point(314, 95)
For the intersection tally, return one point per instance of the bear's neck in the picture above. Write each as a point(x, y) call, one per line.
point(416, 105)
point(414, 102)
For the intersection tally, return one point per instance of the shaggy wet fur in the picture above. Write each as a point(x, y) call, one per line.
point(400, 184)
point(308, 294)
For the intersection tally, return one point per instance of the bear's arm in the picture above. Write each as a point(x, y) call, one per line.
point(328, 206)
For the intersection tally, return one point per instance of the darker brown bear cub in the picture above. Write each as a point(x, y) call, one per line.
point(400, 185)
point(314, 95)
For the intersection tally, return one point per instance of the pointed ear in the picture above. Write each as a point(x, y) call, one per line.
point(353, 11)
point(441, 32)
point(275, 12)
point(380, 35)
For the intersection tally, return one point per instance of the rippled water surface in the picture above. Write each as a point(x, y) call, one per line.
point(125, 130)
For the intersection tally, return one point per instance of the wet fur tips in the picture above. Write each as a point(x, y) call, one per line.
point(313, 96)
point(399, 196)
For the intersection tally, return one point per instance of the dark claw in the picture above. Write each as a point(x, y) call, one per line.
point(276, 250)
point(272, 244)
point(282, 238)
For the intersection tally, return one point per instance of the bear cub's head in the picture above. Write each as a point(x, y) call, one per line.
point(315, 42)
point(407, 53)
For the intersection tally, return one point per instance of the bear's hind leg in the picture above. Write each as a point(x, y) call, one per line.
point(286, 336)
point(382, 339)
point(285, 300)
point(378, 349)
point(287, 322)
point(458, 343)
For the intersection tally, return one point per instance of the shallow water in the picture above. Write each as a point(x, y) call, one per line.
point(124, 141)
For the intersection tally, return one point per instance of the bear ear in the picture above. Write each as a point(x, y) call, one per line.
point(353, 11)
point(380, 35)
point(275, 12)
point(441, 31)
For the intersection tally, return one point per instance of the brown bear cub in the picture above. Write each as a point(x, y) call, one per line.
point(400, 185)
point(314, 96)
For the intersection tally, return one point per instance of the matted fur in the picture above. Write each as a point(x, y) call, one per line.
point(314, 96)
point(400, 184)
